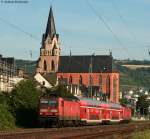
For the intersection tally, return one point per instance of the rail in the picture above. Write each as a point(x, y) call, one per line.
point(121, 131)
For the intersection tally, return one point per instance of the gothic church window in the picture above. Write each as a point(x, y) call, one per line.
point(70, 80)
point(53, 52)
point(100, 82)
point(80, 80)
point(53, 65)
point(54, 48)
point(114, 88)
point(108, 86)
point(45, 65)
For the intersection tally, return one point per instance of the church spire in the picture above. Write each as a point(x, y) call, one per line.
point(50, 29)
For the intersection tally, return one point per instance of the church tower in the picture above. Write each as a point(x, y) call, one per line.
point(50, 50)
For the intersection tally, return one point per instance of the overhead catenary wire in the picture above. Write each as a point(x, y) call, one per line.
point(100, 17)
point(124, 21)
point(122, 18)
point(19, 29)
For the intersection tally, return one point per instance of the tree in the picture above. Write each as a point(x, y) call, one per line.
point(24, 103)
point(60, 91)
point(143, 104)
point(124, 101)
point(6, 118)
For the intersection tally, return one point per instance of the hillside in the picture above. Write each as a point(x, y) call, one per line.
point(129, 78)
point(133, 78)
point(26, 65)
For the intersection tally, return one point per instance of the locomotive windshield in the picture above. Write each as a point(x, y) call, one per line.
point(52, 103)
point(48, 102)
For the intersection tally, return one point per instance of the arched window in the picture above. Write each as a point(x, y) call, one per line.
point(100, 82)
point(108, 86)
point(53, 51)
point(80, 80)
point(45, 66)
point(90, 86)
point(70, 80)
point(114, 88)
point(53, 65)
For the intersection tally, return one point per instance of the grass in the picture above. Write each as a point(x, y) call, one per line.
point(142, 135)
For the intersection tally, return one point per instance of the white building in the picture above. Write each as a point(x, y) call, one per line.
point(46, 80)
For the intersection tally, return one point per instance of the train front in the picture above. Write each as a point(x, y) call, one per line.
point(48, 111)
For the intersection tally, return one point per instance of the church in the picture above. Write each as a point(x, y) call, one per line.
point(85, 75)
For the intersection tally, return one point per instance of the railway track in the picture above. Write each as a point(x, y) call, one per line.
point(119, 131)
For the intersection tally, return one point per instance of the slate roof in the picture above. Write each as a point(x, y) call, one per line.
point(50, 29)
point(51, 78)
point(81, 64)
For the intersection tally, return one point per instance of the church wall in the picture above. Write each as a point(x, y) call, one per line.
point(96, 81)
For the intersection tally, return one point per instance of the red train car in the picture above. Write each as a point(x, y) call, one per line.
point(83, 111)
point(98, 111)
point(58, 111)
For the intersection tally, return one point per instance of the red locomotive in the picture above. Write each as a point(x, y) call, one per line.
point(61, 111)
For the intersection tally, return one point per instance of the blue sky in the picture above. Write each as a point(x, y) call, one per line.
point(79, 28)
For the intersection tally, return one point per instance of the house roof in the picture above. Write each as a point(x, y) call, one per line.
point(51, 78)
point(85, 64)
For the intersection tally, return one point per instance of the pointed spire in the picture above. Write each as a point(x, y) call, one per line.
point(50, 29)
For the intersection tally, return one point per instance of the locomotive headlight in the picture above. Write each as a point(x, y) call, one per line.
point(53, 110)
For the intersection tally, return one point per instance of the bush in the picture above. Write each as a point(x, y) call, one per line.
point(7, 121)
point(24, 102)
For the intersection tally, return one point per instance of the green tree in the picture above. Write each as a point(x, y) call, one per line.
point(143, 104)
point(7, 121)
point(24, 102)
point(124, 101)
point(60, 91)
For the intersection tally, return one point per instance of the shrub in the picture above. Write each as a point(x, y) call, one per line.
point(7, 121)
point(24, 102)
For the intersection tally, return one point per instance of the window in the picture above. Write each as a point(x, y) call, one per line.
point(53, 52)
point(43, 82)
point(80, 80)
point(45, 65)
point(108, 86)
point(70, 80)
point(114, 89)
point(53, 103)
point(100, 82)
point(53, 65)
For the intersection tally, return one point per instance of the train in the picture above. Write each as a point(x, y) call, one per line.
point(58, 111)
